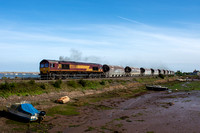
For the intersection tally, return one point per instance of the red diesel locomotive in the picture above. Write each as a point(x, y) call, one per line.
point(53, 69)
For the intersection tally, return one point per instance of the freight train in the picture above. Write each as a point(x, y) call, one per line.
point(54, 69)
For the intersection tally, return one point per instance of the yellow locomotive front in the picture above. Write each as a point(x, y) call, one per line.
point(47, 67)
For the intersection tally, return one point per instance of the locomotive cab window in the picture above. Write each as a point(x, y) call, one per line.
point(41, 65)
point(46, 65)
point(65, 66)
point(95, 68)
point(52, 65)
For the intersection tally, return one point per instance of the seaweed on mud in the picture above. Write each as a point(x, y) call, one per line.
point(89, 129)
point(124, 117)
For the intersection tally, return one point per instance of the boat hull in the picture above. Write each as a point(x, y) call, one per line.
point(23, 115)
point(156, 88)
point(26, 111)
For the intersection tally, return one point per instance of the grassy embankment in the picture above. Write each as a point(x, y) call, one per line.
point(32, 87)
point(183, 86)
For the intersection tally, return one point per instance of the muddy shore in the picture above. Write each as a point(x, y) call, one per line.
point(148, 112)
point(153, 112)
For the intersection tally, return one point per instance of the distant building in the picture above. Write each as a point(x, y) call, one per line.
point(195, 72)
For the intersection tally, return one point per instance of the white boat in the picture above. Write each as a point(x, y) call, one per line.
point(26, 111)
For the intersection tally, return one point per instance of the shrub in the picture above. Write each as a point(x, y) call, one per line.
point(7, 86)
point(43, 86)
point(102, 82)
point(32, 82)
point(72, 83)
point(89, 84)
point(57, 83)
point(82, 82)
point(4, 78)
point(161, 76)
point(13, 85)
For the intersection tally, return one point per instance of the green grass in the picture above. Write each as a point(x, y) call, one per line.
point(73, 125)
point(26, 88)
point(87, 84)
point(186, 86)
point(28, 127)
point(65, 109)
point(31, 87)
point(19, 129)
point(102, 107)
point(73, 84)
point(23, 88)
point(146, 80)
point(125, 93)
point(119, 125)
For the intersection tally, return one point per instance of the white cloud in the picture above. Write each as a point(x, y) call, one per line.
point(135, 44)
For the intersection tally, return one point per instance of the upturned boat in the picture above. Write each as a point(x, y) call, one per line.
point(26, 111)
point(156, 87)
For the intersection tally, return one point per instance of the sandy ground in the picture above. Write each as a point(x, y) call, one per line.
point(153, 112)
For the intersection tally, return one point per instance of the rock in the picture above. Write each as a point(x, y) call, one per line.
point(170, 103)
point(63, 99)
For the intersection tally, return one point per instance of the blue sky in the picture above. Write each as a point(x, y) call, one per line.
point(146, 33)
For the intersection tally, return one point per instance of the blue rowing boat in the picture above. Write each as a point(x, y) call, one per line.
point(26, 111)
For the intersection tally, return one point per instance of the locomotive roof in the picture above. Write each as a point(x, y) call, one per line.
point(69, 62)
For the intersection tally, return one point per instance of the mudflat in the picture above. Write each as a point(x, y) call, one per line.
point(154, 112)
point(149, 112)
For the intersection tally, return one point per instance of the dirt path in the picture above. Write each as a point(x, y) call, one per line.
point(154, 112)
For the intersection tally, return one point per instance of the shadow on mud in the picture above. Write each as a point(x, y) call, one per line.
point(13, 117)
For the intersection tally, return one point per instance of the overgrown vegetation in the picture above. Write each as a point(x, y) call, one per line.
point(28, 127)
point(25, 88)
point(186, 86)
point(88, 84)
point(161, 76)
point(57, 83)
point(31, 87)
point(123, 93)
point(145, 79)
point(21, 88)
point(64, 109)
